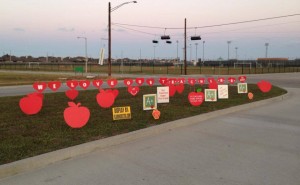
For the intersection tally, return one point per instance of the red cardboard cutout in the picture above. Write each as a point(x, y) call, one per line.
point(31, 104)
point(231, 80)
point(54, 85)
point(112, 82)
point(128, 82)
point(180, 88)
point(105, 99)
point(133, 90)
point(196, 98)
point(213, 85)
point(210, 79)
point(264, 86)
point(72, 84)
point(97, 83)
point(181, 80)
point(71, 94)
point(201, 81)
point(163, 81)
point(192, 81)
point(242, 79)
point(139, 81)
point(250, 95)
point(39, 86)
point(172, 81)
point(221, 80)
point(84, 84)
point(75, 116)
point(150, 81)
point(172, 90)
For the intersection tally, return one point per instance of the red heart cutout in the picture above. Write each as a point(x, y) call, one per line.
point(213, 85)
point(72, 84)
point(201, 81)
point(31, 104)
point(231, 80)
point(139, 81)
point(133, 90)
point(264, 86)
point(210, 79)
point(75, 116)
point(192, 81)
point(128, 82)
point(196, 98)
point(97, 83)
point(84, 84)
point(71, 94)
point(221, 80)
point(54, 85)
point(242, 79)
point(181, 80)
point(112, 82)
point(172, 90)
point(180, 88)
point(163, 81)
point(105, 99)
point(150, 81)
point(172, 81)
point(39, 86)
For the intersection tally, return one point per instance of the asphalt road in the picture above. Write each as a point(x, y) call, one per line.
point(250, 147)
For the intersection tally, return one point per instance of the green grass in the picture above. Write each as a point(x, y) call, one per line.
point(23, 136)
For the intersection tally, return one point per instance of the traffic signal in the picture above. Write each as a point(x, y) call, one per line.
point(165, 37)
point(195, 38)
point(154, 41)
point(169, 42)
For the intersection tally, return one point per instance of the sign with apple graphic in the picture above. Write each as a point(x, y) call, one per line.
point(264, 86)
point(196, 98)
point(76, 116)
point(31, 104)
point(105, 98)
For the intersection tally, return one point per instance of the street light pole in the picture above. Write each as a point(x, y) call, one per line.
point(86, 57)
point(236, 55)
point(228, 42)
point(177, 51)
point(109, 31)
point(266, 44)
point(203, 53)
point(196, 52)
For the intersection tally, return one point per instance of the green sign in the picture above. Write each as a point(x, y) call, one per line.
point(149, 101)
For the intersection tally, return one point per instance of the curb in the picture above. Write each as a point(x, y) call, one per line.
point(43, 160)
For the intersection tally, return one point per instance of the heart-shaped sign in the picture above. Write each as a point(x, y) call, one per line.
point(163, 81)
point(128, 82)
point(39, 86)
point(192, 81)
point(172, 81)
point(112, 82)
point(105, 99)
point(242, 79)
point(133, 90)
point(231, 80)
point(150, 81)
point(221, 80)
point(84, 84)
point(172, 90)
point(54, 85)
point(180, 88)
point(210, 79)
point(139, 81)
point(97, 83)
point(264, 86)
point(180, 80)
point(71, 94)
point(72, 84)
point(196, 98)
point(201, 81)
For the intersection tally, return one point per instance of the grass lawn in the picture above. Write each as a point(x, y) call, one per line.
point(23, 136)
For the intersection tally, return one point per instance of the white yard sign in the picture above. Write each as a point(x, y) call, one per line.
point(223, 91)
point(163, 95)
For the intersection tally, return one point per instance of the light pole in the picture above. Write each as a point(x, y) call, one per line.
point(86, 58)
point(154, 53)
point(266, 44)
point(196, 52)
point(236, 55)
point(191, 53)
point(203, 52)
point(109, 31)
point(177, 51)
point(228, 42)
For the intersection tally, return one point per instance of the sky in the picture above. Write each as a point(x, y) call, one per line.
point(51, 27)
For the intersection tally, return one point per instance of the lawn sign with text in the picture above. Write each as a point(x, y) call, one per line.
point(76, 115)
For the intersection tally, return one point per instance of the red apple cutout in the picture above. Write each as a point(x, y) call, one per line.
point(163, 81)
point(181, 81)
point(72, 84)
point(221, 80)
point(97, 83)
point(39, 86)
point(71, 94)
point(242, 79)
point(201, 81)
point(172, 90)
point(84, 84)
point(196, 98)
point(114, 91)
point(192, 81)
point(180, 88)
point(54, 86)
point(139, 81)
point(133, 90)
point(264, 86)
point(112, 83)
point(150, 81)
point(76, 116)
point(105, 99)
point(31, 104)
point(128, 82)
point(231, 80)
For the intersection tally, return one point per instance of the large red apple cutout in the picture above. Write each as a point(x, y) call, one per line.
point(71, 94)
point(231, 80)
point(76, 116)
point(133, 90)
point(31, 104)
point(54, 85)
point(97, 83)
point(264, 86)
point(213, 85)
point(114, 91)
point(150, 81)
point(84, 84)
point(72, 84)
point(201, 81)
point(39, 86)
point(172, 90)
point(139, 81)
point(105, 99)
point(221, 80)
point(196, 98)
point(112, 82)
point(192, 81)
point(128, 82)
point(242, 79)
point(180, 88)
point(163, 81)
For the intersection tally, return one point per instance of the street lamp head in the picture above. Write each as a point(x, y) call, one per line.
point(134, 1)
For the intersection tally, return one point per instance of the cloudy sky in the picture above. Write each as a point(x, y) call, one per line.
point(41, 27)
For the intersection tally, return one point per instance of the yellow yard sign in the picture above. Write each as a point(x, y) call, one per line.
point(121, 113)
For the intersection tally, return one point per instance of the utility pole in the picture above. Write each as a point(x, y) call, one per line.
point(266, 44)
point(228, 42)
point(185, 72)
point(196, 52)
